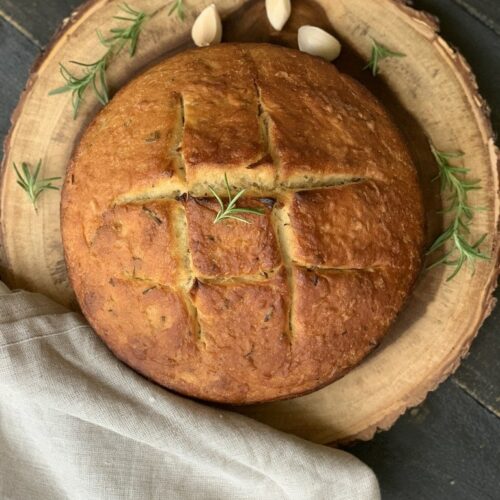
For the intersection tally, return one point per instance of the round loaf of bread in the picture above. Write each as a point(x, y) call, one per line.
point(240, 312)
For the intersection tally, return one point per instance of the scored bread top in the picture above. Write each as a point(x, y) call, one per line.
point(235, 312)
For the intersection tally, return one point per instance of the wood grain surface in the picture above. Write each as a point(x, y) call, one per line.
point(407, 459)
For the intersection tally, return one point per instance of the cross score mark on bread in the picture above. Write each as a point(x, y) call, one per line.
point(237, 312)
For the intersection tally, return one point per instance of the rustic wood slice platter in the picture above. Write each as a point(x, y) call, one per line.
point(431, 94)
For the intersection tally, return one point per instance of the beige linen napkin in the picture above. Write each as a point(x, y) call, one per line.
point(75, 423)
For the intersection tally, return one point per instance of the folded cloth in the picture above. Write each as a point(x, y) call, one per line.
point(75, 423)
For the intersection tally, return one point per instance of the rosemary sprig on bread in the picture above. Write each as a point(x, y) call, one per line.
point(29, 182)
point(231, 211)
point(94, 75)
point(453, 182)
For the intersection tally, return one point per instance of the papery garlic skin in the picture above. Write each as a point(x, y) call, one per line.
point(278, 12)
point(318, 42)
point(207, 28)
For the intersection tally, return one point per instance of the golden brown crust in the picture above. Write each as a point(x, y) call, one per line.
point(141, 240)
point(213, 81)
point(323, 127)
point(236, 312)
point(216, 249)
point(360, 225)
point(244, 326)
point(345, 312)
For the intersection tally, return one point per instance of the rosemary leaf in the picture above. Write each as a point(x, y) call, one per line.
point(453, 182)
point(128, 35)
point(152, 137)
point(29, 182)
point(380, 52)
point(152, 215)
point(230, 211)
point(177, 6)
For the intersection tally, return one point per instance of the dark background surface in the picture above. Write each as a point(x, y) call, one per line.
point(448, 447)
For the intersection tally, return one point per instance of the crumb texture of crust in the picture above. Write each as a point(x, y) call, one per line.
point(234, 312)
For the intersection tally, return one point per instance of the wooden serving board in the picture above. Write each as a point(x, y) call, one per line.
point(431, 93)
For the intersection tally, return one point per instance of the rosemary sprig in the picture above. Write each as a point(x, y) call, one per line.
point(380, 52)
point(129, 34)
point(458, 231)
point(94, 76)
point(30, 183)
point(230, 211)
point(178, 8)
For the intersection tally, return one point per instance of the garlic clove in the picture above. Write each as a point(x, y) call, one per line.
point(278, 12)
point(318, 42)
point(207, 28)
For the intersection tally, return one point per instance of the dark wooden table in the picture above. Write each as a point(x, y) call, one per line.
point(448, 447)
